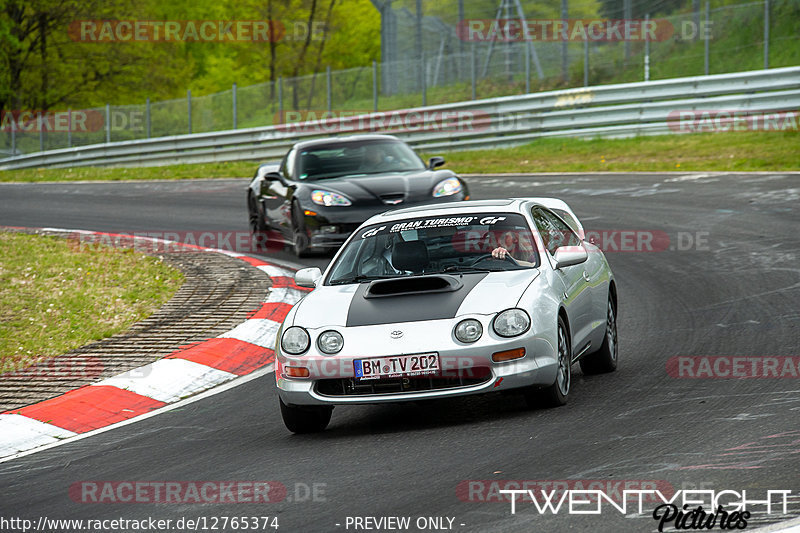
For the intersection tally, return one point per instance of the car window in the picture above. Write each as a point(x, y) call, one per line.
point(287, 165)
point(356, 158)
point(435, 244)
point(554, 231)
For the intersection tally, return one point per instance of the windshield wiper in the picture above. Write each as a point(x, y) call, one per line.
point(358, 279)
point(462, 268)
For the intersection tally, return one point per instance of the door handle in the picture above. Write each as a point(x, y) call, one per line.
point(585, 276)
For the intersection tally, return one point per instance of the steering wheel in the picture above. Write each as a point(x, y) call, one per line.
point(490, 256)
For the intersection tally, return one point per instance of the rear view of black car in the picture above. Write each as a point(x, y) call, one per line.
point(324, 189)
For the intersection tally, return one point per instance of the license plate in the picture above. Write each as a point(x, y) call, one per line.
point(421, 364)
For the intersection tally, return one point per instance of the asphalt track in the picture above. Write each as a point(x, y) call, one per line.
point(733, 293)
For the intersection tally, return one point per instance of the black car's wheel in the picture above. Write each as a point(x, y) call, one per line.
point(300, 238)
point(258, 226)
point(557, 393)
point(604, 359)
point(305, 418)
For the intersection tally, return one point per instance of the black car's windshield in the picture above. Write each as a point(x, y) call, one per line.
point(354, 158)
point(436, 244)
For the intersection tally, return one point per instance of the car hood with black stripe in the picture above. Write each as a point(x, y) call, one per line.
point(351, 305)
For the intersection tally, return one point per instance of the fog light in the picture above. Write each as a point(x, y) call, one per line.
point(295, 372)
point(508, 355)
point(328, 229)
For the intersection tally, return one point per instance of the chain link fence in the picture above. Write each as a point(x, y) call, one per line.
point(447, 64)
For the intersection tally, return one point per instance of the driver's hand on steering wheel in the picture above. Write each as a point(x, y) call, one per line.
point(500, 253)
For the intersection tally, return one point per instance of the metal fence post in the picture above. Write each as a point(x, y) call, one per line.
point(424, 80)
point(527, 66)
point(766, 34)
point(69, 127)
point(13, 137)
point(646, 49)
point(189, 108)
point(147, 116)
point(280, 99)
point(586, 62)
point(41, 133)
point(235, 111)
point(108, 123)
point(705, 41)
point(472, 73)
point(329, 92)
point(374, 85)
point(564, 58)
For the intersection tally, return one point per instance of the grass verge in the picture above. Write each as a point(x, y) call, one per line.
point(55, 297)
point(735, 151)
point(739, 151)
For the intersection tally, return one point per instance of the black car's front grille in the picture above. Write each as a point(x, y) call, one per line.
point(354, 387)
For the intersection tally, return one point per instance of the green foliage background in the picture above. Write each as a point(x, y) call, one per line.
point(41, 67)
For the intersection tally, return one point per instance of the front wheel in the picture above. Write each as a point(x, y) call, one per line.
point(305, 418)
point(299, 233)
point(557, 393)
point(258, 226)
point(605, 359)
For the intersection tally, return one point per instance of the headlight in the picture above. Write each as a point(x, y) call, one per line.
point(468, 330)
point(330, 342)
point(328, 198)
point(511, 322)
point(447, 187)
point(295, 340)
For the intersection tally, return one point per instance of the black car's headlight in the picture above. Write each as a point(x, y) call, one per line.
point(329, 199)
point(330, 342)
point(447, 187)
point(511, 322)
point(469, 330)
point(295, 340)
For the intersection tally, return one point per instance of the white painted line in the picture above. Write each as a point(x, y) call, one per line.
point(19, 433)
point(258, 331)
point(274, 271)
point(285, 295)
point(216, 390)
point(790, 526)
point(229, 253)
point(169, 380)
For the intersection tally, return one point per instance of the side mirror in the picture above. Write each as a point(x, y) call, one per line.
point(307, 277)
point(272, 176)
point(435, 161)
point(570, 255)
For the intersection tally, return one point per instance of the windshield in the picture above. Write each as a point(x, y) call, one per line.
point(355, 158)
point(452, 244)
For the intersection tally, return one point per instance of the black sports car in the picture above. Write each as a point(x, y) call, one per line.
point(324, 189)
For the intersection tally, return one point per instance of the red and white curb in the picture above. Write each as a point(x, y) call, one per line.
point(186, 372)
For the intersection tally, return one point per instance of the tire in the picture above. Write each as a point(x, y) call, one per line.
point(306, 418)
point(605, 359)
point(556, 394)
point(258, 226)
point(300, 240)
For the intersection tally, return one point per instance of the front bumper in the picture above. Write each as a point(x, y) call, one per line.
point(536, 368)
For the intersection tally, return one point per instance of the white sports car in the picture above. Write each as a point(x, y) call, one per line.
point(448, 300)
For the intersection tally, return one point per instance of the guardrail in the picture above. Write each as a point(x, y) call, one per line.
point(620, 110)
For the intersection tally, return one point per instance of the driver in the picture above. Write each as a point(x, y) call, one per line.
point(375, 159)
point(518, 240)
